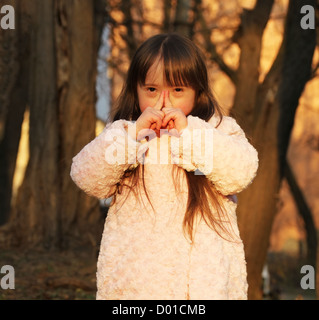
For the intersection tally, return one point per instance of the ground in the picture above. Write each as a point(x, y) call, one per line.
point(41, 275)
point(285, 277)
point(71, 275)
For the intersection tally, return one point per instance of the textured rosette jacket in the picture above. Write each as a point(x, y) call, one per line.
point(144, 253)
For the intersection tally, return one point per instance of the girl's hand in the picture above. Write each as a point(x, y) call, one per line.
point(151, 118)
point(170, 124)
point(174, 117)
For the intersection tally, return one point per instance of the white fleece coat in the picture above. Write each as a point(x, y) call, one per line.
point(144, 253)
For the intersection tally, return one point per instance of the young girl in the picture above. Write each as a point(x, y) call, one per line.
point(173, 165)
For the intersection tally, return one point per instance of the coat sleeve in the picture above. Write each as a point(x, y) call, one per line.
point(223, 153)
point(100, 165)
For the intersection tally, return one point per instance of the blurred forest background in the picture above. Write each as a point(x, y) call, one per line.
point(62, 67)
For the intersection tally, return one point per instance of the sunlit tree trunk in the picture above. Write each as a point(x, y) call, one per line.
point(249, 39)
point(270, 135)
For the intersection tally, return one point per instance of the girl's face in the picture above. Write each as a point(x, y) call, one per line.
point(180, 97)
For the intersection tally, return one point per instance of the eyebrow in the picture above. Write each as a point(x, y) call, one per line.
point(150, 85)
point(157, 85)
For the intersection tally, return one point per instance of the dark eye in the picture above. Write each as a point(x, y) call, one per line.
point(151, 89)
point(178, 89)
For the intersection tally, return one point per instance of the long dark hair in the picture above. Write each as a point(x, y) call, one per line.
point(184, 65)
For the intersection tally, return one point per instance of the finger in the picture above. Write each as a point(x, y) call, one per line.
point(170, 125)
point(166, 110)
point(168, 103)
point(160, 101)
point(159, 113)
point(157, 124)
point(168, 117)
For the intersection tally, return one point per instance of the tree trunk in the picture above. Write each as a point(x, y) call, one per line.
point(167, 15)
point(13, 95)
point(209, 45)
point(50, 210)
point(257, 204)
point(249, 38)
point(130, 39)
point(182, 23)
point(36, 213)
point(78, 39)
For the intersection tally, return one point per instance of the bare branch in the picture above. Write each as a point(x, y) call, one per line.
point(211, 48)
point(304, 212)
point(130, 38)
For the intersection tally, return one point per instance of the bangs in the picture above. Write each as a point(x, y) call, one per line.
point(179, 67)
point(177, 77)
